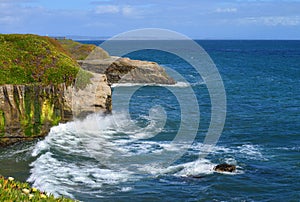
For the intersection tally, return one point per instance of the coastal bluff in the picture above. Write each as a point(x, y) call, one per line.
point(42, 85)
point(29, 111)
point(44, 82)
point(117, 69)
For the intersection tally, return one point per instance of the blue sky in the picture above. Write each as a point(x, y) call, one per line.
point(203, 19)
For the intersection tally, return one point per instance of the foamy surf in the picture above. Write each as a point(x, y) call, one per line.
point(176, 85)
point(92, 153)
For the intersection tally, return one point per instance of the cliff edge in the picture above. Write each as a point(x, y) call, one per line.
point(41, 85)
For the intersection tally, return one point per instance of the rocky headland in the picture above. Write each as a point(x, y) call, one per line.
point(125, 70)
point(41, 85)
point(44, 81)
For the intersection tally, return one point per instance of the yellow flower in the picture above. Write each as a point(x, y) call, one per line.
point(43, 196)
point(34, 189)
point(25, 191)
point(0, 185)
point(11, 179)
point(31, 196)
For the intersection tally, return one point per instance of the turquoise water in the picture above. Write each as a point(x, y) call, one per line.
point(94, 159)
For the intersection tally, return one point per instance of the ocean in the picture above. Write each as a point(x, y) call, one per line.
point(118, 157)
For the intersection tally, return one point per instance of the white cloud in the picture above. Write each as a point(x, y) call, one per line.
point(107, 9)
point(272, 20)
point(8, 20)
point(127, 10)
point(226, 10)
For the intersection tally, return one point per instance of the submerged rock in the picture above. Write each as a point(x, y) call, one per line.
point(225, 168)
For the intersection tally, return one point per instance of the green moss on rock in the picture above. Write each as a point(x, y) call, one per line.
point(2, 123)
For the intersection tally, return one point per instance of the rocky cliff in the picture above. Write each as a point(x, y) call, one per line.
point(95, 97)
point(125, 70)
point(41, 85)
point(29, 111)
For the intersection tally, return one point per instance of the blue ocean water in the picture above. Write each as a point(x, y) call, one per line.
point(91, 160)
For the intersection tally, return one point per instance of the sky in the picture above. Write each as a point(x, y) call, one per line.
point(197, 19)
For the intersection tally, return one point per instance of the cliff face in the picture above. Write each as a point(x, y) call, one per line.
point(95, 97)
point(37, 88)
point(29, 111)
point(125, 70)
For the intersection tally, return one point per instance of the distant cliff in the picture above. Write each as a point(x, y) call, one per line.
point(81, 51)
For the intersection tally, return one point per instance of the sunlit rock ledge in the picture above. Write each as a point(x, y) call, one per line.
point(125, 70)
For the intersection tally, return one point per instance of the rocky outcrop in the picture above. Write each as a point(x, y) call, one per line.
point(125, 70)
point(95, 97)
point(29, 111)
point(225, 168)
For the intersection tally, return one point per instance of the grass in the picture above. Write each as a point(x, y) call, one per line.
point(81, 51)
point(26, 59)
point(11, 190)
point(83, 79)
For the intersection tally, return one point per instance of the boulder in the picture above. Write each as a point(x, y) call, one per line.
point(225, 168)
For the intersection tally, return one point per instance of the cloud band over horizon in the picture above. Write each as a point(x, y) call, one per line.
point(229, 19)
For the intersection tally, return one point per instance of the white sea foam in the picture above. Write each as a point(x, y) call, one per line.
point(92, 153)
point(177, 85)
point(250, 151)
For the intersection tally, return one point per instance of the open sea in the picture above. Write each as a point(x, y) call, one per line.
point(105, 158)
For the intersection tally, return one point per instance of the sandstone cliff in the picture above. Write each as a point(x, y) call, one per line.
point(29, 111)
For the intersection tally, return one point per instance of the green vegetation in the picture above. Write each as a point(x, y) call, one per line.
point(30, 58)
point(2, 123)
point(83, 79)
point(81, 51)
point(11, 190)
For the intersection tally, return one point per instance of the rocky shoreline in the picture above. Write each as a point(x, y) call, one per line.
point(28, 111)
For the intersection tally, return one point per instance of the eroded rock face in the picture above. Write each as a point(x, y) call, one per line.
point(225, 168)
point(125, 70)
point(95, 97)
point(29, 111)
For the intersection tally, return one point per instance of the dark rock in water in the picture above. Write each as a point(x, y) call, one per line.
point(225, 168)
